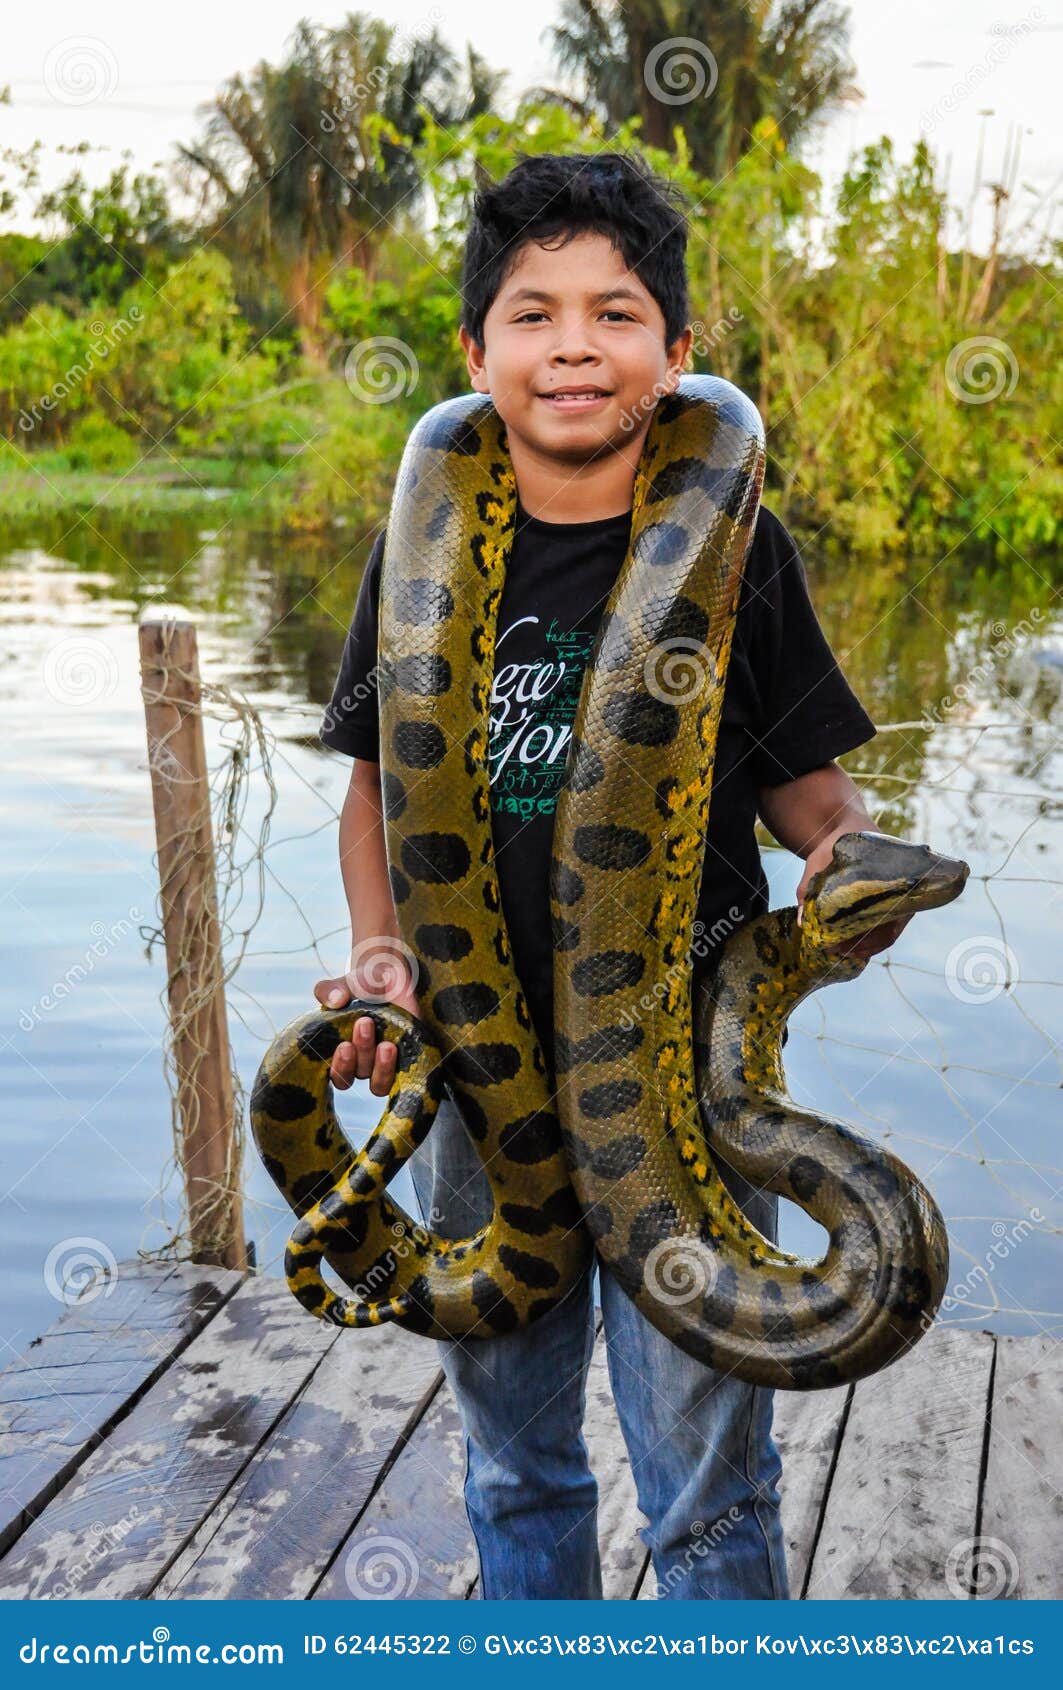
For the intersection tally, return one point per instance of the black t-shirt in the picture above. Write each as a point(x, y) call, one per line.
point(787, 709)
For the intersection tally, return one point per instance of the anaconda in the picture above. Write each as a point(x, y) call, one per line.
point(654, 1084)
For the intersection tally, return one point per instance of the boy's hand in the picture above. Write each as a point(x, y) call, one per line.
point(868, 944)
point(365, 1058)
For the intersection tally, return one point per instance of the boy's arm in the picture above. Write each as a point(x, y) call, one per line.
point(806, 816)
point(378, 966)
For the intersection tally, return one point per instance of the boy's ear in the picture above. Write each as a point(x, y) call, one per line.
point(474, 361)
point(679, 353)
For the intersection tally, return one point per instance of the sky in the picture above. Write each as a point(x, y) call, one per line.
point(122, 75)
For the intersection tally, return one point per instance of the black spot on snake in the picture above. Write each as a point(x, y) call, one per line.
point(424, 674)
point(437, 859)
point(484, 1064)
point(585, 768)
point(565, 934)
point(530, 1139)
point(619, 1157)
point(805, 1176)
point(422, 601)
point(463, 1006)
point(605, 845)
point(662, 544)
point(640, 719)
point(565, 884)
point(491, 1303)
point(602, 1102)
point(530, 1270)
point(653, 1224)
point(419, 745)
point(445, 942)
point(392, 795)
point(283, 1102)
point(607, 971)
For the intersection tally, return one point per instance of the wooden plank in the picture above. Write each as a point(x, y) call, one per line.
point(905, 1489)
point(806, 1426)
point(274, 1534)
point(133, 1504)
point(413, 1542)
point(80, 1377)
point(1022, 1509)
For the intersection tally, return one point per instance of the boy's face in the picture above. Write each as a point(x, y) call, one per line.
point(575, 317)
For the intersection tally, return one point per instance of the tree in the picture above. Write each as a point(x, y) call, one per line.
point(305, 164)
point(715, 70)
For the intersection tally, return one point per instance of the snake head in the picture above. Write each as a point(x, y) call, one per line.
point(874, 878)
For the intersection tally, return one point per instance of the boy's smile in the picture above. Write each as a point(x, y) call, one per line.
point(574, 358)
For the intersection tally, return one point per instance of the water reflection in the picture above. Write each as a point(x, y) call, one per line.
point(961, 1073)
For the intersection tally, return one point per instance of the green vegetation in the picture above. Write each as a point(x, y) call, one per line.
point(240, 357)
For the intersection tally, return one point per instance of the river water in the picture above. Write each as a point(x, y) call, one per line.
point(950, 1047)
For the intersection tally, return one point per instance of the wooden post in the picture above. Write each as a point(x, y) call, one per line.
point(169, 667)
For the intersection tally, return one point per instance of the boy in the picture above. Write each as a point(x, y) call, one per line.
point(574, 317)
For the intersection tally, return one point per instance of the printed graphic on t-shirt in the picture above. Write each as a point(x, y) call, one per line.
point(533, 705)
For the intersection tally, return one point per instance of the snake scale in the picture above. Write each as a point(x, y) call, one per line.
point(657, 1084)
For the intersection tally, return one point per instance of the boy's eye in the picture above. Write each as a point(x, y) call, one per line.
point(624, 315)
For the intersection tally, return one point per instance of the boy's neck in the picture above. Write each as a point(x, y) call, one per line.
point(557, 489)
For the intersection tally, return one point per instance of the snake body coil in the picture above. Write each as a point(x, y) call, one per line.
point(654, 1089)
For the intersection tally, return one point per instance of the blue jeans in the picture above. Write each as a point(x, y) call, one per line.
point(704, 1464)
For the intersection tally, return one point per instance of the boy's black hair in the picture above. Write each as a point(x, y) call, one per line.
point(555, 194)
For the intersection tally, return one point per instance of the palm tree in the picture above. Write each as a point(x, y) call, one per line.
point(750, 59)
point(303, 165)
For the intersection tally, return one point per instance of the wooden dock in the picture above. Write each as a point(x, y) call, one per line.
point(191, 1432)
